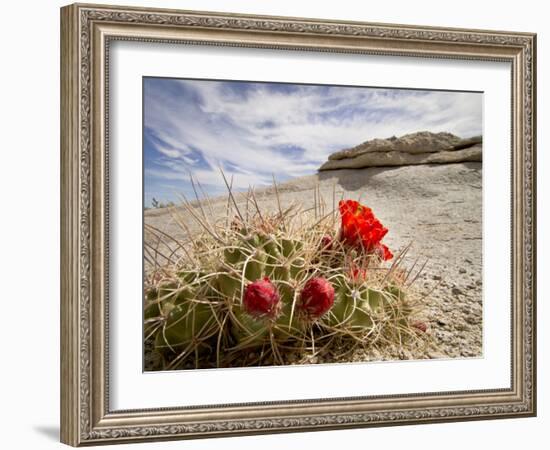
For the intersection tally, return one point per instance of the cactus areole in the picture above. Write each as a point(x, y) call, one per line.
point(261, 299)
point(317, 297)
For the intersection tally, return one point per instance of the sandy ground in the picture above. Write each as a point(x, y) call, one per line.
point(436, 207)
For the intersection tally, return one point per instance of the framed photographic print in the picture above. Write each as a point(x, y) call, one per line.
point(279, 224)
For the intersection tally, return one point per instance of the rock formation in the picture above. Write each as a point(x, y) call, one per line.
point(422, 147)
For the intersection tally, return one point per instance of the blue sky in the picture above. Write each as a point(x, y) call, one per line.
point(256, 130)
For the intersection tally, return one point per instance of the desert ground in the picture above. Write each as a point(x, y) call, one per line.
point(437, 208)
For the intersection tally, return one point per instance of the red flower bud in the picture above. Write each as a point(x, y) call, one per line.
point(326, 242)
point(261, 298)
point(317, 297)
point(420, 326)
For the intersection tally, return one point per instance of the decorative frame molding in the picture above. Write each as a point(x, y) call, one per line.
point(86, 31)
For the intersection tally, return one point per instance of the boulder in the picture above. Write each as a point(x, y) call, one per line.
point(419, 142)
point(394, 158)
point(422, 147)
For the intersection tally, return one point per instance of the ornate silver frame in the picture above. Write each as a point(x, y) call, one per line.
point(86, 31)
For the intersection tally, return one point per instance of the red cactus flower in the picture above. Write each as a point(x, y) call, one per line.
point(357, 274)
point(317, 297)
point(384, 252)
point(261, 298)
point(360, 228)
point(326, 242)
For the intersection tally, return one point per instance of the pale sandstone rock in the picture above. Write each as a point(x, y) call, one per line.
point(398, 158)
point(414, 143)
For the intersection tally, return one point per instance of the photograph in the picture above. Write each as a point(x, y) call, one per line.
point(294, 224)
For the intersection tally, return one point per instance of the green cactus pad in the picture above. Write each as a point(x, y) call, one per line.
point(247, 330)
point(291, 247)
point(350, 313)
point(185, 323)
point(285, 328)
point(281, 273)
point(229, 285)
point(273, 257)
point(188, 276)
point(234, 255)
point(152, 310)
point(162, 299)
point(372, 298)
point(395, 293)
point(254, 270)
point(297, 267)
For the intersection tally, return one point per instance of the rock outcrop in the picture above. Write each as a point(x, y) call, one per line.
point(423, 147)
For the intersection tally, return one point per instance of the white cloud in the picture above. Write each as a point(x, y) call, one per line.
point(170, 152)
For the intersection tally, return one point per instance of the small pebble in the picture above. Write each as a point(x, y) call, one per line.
point(471, 319)
point(456, 291)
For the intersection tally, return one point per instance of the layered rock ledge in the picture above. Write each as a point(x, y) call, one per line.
point(423, 147)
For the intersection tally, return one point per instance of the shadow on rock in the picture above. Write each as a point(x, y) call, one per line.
point(355, 179)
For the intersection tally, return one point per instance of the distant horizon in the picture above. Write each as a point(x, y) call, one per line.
point(256, 130)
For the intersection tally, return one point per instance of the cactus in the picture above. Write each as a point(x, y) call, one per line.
point(272, 280)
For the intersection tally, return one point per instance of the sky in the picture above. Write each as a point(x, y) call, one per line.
point(254, 131)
